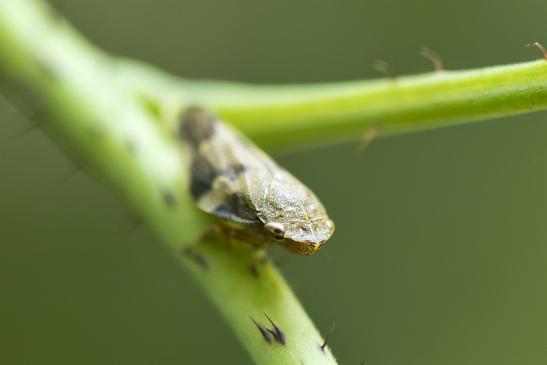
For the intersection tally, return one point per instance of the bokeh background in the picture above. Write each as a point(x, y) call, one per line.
point(441, 245)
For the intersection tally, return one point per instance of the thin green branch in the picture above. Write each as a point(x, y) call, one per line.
point(281, 116)
point(343, 111)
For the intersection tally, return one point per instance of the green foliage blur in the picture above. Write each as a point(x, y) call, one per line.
point(441, 244)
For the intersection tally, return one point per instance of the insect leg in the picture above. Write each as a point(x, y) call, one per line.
point(192, 251)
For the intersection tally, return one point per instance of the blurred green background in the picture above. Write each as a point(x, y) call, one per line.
point(441, 245)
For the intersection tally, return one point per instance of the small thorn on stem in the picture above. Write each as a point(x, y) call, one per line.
point(276, 332)
point(263, 331)
point(168, 198)
point(434, 58)
point(196, 257)
point(25, 131)
point(384, 67)
point(368, 137)
point(540, 47)
point(253, 269)
point(74, 170)
point(322, 347)
point(135, 222)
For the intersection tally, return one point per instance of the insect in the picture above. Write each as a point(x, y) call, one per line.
point(254, 198)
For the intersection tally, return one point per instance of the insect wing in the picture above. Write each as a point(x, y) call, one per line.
point(229, 175)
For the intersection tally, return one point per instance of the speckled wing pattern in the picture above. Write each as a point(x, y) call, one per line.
point(233, 179)
point(226, 176)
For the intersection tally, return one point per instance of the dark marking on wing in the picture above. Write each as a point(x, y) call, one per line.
point(203, 174)
point(239, 168)
point(221, 161)
point(237, 208)
point(233, 171)
point(197, 126)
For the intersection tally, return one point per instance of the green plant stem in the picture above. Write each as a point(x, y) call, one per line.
point(281, 116)
point(75, 86)
point(121, 116)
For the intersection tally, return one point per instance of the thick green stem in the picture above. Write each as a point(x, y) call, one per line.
point(124, 138)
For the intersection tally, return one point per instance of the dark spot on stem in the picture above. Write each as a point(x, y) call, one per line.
point(253, 269)
point(135, 222)
point(197, 258)
point(200, 260)
point(168, 198)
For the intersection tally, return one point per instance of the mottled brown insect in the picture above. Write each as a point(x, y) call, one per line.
point(255, 198)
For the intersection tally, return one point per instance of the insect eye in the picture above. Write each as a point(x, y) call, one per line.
point(275, 229)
